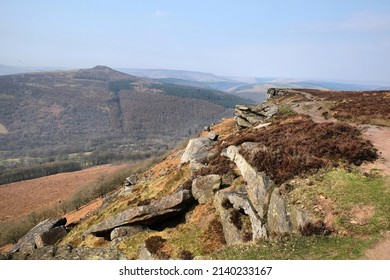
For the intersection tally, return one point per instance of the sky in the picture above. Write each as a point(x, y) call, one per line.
point(330, 39)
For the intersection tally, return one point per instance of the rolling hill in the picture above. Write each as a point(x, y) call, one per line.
point(97, 115)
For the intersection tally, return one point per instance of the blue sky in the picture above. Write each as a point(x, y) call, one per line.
point(333, 39)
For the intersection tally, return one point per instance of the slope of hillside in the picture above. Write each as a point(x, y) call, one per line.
point(288, 185)
point(97, 115)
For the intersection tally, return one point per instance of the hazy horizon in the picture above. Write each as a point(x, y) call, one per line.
point(328, 40)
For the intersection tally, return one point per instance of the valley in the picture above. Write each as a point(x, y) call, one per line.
point(295, 177)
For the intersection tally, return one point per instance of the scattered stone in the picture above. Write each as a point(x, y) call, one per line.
point(203, 188)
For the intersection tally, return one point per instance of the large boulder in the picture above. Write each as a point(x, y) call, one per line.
point(204, 187)
point(27, 242)
point(196, 149)
point(50, 237)
point(157, 210)
point(258, 185)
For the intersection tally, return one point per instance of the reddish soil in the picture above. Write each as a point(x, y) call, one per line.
point(21, 198)
point(75, 216)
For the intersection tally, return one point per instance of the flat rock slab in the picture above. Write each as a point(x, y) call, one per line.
point(145, 214)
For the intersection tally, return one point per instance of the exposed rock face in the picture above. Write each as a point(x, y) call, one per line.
point(203, 188)
point(258, 185)
point(248, 116)
point(50, 237)
point(146, 214)
point(278, 217)
point(196, 149)
point(275, 92)
point(125, 231)
point(27, 242)
point(239, 201)
point(232, 234)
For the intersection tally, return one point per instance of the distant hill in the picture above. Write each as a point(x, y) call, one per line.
point(99, 114)
point(254, 88)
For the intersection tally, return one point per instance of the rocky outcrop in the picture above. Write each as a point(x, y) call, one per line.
point(276, 92)
point(204, 187)
point(148, 214)
point(197, 149)
point(248, 116)
point(258, 185)
point(45, 233)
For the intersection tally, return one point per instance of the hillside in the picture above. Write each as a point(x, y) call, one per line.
point(94, 116)
point(253, 88)
point(291, 178)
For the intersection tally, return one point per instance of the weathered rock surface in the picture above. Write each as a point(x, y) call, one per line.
point(204, 187)
point(212, 136)
point(131, 180)
point(278, 216)
point(248, 116)
point(50, 237)
point(258, 185)
point(196, 149)
point(276, 92)
point(232, 234)
point(125, 231)
point(27, 242)
point(146, 214)
point(195, 166)
point(298, 218)
point(240, 201)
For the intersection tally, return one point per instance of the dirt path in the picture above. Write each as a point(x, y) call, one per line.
point(380, 137)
